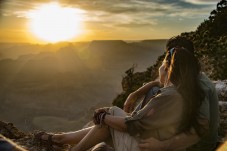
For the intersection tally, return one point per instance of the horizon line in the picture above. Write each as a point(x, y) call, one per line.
point(46, 43)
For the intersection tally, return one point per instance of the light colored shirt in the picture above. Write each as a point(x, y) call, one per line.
point(164, 121)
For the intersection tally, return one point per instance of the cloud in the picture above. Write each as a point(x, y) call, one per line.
point(103, 8)
point(110, 14)
point(118, 6)
point(204, 2)
point(135, 25)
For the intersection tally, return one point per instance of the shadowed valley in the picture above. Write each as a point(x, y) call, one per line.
point(56, 87)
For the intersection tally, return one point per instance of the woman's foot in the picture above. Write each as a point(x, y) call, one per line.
point(47, 140)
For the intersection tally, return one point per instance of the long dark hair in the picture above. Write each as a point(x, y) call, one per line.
point(184, 71)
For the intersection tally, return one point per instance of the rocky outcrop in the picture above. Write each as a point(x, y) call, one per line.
point(22, 139)
point(25, 140)
point(221, 87)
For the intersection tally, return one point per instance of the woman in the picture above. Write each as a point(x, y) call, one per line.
point(173, 110)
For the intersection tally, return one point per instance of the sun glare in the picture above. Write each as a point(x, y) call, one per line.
point(53, 23)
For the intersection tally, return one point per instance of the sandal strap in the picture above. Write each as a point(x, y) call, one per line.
point(39, 135)
point(51, 142)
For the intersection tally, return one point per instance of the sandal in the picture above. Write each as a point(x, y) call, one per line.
point(48, 143)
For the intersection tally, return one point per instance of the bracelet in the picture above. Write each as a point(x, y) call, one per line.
point(103, 116)
point(98, 118)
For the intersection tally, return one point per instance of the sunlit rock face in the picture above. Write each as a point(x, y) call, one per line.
point(221, 87)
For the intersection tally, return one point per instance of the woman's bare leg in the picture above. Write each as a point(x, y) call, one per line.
point(69, 137)
point(96, 135)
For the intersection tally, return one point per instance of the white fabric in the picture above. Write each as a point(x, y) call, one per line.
point(122, 141)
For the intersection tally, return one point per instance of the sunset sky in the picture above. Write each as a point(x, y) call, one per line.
point(100, 19)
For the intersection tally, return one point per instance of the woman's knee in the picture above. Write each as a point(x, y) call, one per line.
point(114, 110)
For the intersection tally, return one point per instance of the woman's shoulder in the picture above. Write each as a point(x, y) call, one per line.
point(168, 97)
point(169, 91)
point(168, 94)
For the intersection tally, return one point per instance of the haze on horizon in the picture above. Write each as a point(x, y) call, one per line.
point(103, 19)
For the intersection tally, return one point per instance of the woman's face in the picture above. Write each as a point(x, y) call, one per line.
point(162, 73)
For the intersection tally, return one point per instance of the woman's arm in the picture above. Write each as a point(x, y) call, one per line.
point(116, 122)
point(133, 97)
point(178, 142)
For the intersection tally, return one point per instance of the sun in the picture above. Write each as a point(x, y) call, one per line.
point(53, 23)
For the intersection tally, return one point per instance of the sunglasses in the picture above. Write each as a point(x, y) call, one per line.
point(171, 51)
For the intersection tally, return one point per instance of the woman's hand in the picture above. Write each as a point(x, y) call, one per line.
point(130, 103)
point(103, 109)
point(152, 144)
point(99, 115)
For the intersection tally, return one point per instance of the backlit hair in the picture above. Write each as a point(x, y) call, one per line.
point(184, 71)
